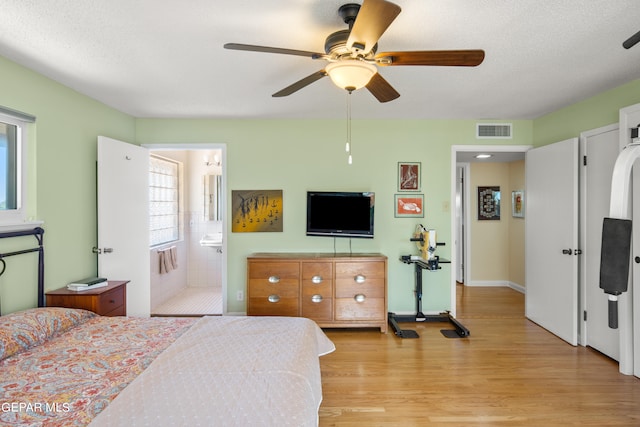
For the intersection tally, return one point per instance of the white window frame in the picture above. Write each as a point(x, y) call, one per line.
point(17, 218)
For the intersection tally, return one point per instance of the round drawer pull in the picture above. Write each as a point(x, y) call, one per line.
point(359, 298)
point(359, 278)
point(112, 301)
point(316, 279)
point(274, 279)
point(316, 299)
point(274, 298)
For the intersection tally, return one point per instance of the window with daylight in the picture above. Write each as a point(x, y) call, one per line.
point(13, 141)
point(163, 200)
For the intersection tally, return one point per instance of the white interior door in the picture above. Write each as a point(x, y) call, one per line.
point(123, 220)
point(551, 238)
point(600, 147)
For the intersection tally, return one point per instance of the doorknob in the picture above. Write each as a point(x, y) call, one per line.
point(567, 251)
point(637, 259)
point(99, 251)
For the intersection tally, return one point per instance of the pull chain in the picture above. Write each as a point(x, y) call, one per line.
point(348, 145)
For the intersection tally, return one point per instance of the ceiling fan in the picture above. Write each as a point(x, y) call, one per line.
point(352, 54)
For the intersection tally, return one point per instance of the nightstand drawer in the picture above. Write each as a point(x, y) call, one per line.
point(112, 301)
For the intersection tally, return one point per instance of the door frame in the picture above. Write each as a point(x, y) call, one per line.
point(206, 147)
point(455, 149)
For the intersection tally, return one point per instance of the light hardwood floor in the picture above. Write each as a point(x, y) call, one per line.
point(508, 372)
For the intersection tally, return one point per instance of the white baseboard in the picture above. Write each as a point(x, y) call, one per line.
point(498, 283)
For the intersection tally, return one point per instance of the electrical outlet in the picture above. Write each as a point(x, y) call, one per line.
point(240, 296)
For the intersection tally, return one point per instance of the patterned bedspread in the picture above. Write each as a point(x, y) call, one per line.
point(61, 367)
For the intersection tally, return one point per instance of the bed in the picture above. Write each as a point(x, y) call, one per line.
point(70, 367)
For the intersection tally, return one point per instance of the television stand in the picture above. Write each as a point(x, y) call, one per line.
point(420, 264)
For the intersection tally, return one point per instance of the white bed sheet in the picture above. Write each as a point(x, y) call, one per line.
point(229, 371)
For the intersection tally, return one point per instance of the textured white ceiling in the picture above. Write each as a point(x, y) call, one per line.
point(165, 58)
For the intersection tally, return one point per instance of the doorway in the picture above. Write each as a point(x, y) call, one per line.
point(461, 158)
point(196, 285)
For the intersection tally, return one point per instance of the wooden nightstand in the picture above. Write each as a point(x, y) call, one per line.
point(108, 300)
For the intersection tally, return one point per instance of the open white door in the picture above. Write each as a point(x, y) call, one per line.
point(123, 220)
point(551, 238)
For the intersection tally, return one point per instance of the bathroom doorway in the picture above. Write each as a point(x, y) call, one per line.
point(188, 272)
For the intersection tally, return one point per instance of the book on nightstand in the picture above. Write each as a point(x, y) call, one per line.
point(87, 284)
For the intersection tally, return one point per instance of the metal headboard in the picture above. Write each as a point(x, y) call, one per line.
point(39, 235)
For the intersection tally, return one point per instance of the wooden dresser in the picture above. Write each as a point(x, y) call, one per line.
point(108, 300)
point(335, 290)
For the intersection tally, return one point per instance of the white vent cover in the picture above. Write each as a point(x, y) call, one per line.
point(493, 130)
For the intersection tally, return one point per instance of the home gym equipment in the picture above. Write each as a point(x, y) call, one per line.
point(616, 252)
point(429, 263)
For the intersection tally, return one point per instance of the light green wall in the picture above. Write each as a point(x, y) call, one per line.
point(592, 113)
point(66, 130)
point(301, 155)
point(292, 155)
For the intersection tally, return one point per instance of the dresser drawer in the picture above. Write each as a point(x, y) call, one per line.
point(367, 309)
point(317, 272)
point(274, 271)
point(272, 305)
point(352, 270)
point(317, 307)
point(372, 288)
point(264, 288)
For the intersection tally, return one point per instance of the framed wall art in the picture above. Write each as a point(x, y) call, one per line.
point(256, 211)
point(409, 176)
point(488, 203)
point(517, 204)
point(409, 205)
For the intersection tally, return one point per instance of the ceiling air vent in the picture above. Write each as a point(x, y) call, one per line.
point(493, 130)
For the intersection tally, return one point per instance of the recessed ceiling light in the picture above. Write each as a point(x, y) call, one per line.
point(483, 156)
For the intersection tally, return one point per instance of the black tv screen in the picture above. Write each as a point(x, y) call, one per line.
point(340, 214)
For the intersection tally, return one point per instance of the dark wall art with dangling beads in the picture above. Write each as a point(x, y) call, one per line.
point(256, 211)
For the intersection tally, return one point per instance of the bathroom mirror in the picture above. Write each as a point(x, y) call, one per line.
point(213, 197)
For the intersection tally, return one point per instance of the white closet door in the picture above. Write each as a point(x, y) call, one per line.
point(600, 146)
point(551, 238)
point(123, 220)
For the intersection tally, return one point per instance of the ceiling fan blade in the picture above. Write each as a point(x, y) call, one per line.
point(631, 41)
point(453, 58)
point(300, 84)
point(267, 49)
point(381, 89)
point(372, 21)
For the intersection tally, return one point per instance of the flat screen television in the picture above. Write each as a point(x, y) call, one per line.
point(340, 214)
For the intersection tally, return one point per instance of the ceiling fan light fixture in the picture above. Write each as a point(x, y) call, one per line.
point(351, 74)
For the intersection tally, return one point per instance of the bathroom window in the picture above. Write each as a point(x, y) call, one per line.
point(163, 200)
